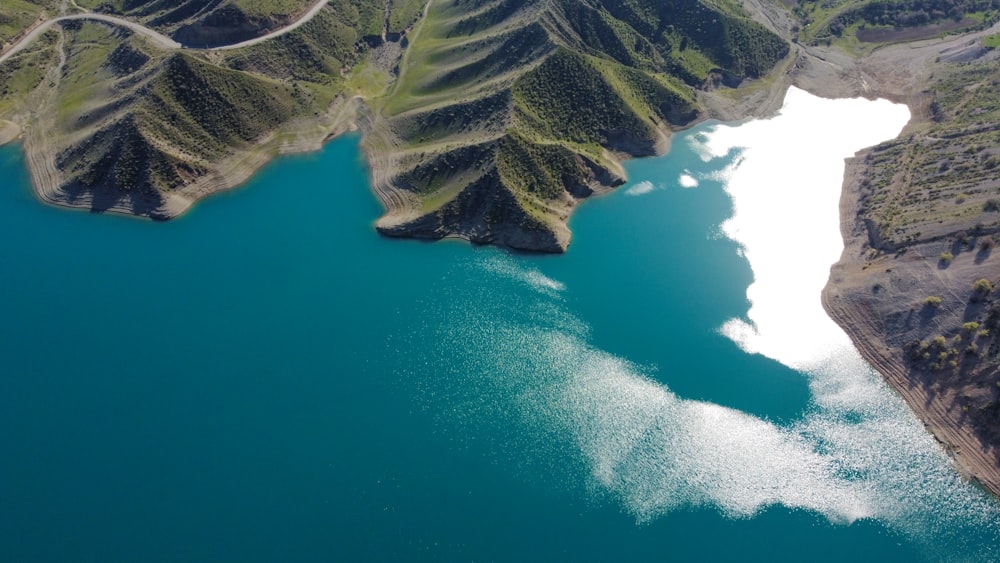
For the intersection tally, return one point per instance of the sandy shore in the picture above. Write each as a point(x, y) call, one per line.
point(8, 132)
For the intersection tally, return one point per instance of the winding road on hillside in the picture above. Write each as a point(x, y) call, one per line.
point(161, 41)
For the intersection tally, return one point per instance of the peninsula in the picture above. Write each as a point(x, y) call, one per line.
point(490, 120)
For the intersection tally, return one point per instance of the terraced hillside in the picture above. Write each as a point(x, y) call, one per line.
point(882, 21)
point(486, 125)
point(930, 206)
point(942, 182)
point(113, 122)
point(471, 107)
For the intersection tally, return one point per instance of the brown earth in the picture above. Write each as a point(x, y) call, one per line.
point(878, 297)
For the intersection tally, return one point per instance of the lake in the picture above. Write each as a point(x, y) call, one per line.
point(265, 378)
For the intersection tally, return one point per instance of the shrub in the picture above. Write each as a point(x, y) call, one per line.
point(932, 301)
point(982, 285)
point(970, 326)
point(980, 289)
point(947, 257)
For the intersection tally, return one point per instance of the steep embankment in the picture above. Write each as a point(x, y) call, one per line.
point(914, 286)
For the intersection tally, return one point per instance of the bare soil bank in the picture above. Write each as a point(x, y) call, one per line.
point(878, 297)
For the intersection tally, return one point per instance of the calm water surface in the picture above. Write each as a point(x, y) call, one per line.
point(267, 379)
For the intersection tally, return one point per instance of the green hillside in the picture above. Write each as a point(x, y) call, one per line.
point(508, 79)
point(474, 106)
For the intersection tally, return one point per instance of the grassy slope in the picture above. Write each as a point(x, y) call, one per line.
point(498, 85)
point(130, 120)
point(404, 14)
point(482, 117)
point(16, 15)
point(17, 80)
point(840, 20)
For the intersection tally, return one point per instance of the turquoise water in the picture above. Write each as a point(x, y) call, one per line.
point(267, 379)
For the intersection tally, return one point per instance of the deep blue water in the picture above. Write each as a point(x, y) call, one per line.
point(266, 379)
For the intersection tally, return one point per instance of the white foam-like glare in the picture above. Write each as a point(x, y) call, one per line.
point(657, 452)
point(638, 441)
point(857, 453)
point(686, 180)
point(507, 267)
point(786, 194)
point(641, 188)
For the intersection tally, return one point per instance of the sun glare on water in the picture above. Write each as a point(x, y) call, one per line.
point(858, 452)
point(786, 187)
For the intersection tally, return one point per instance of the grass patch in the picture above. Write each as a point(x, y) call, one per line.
point(367, 81)
point(22, 74)
point(15, 17)
point(404, 13)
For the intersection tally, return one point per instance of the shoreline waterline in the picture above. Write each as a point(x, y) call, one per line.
point(788, 225)
point(312, 389)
